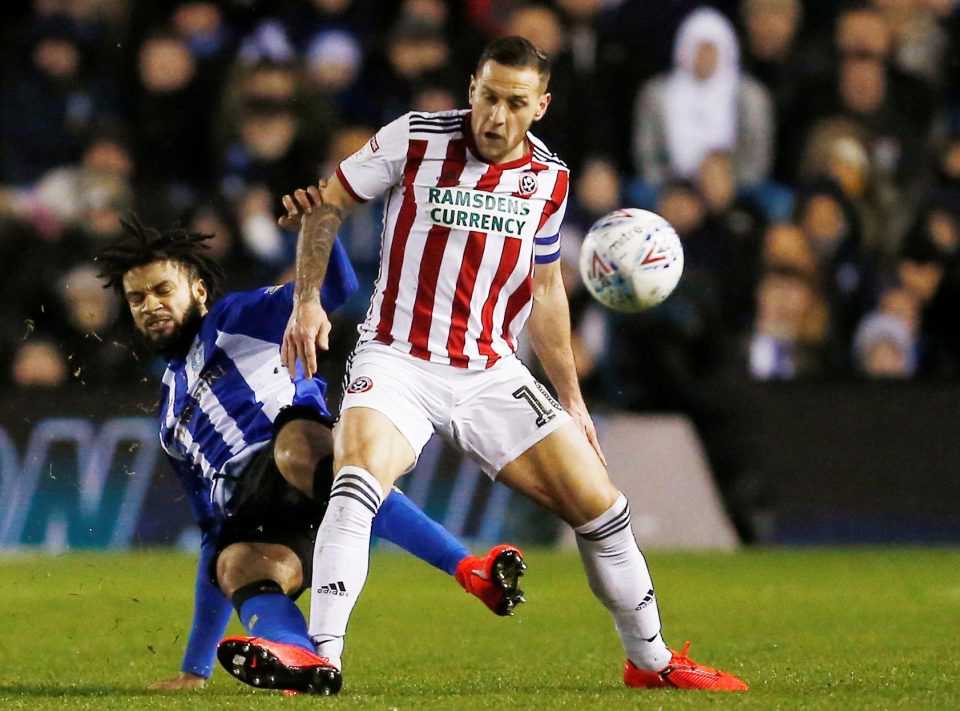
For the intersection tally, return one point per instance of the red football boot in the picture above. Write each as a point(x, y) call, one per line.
point(682, 673)
point(494, 578)
point(274, 665)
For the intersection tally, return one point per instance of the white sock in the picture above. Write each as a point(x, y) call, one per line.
point(341, 558)
point(619, 577)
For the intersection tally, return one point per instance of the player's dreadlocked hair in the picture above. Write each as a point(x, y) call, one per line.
point(143, 245)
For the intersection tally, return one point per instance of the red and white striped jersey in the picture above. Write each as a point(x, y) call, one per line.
point(461, 237)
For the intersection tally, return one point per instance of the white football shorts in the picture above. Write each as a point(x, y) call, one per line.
point(493, 415)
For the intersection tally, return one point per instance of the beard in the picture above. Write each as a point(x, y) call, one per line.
point(178, 342)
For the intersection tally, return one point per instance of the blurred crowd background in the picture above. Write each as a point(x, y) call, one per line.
point(808, 154)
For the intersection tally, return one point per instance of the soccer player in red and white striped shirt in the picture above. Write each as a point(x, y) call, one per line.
point(470, 247)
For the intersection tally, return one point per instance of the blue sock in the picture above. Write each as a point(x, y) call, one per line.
point(402, 523)
point(274, 616)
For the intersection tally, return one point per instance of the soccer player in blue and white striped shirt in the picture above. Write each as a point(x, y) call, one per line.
point(253, 449)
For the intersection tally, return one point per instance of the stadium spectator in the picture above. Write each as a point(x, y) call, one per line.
point(38, 364)
point(930, 270)
point(947, 165)
point(785, 246)
point(901, 304)
point(432, 12)
point(203, 27)
point(240, 241)
point(848, 274)
point(705, 103)
point(775, 56)
point(272, 144)
point(865, 32)
point(742, 223)
point(888, 342)
point(788, 335)
point(571, 126)
point(304, 20)
point(271, 124)
point(86, 332)
point(415, 51)
point(684, 340)
point(837, 151)
point(434, 93)
point(333, 58)
point(919, 42)
point(48, 104)
point(256, 78)
point(62, 193)
point(771, 28)
point(884, 348)
point(581, 18)
point(854, 91)
point(712, 254)
point(596, 192)
point(168, 115)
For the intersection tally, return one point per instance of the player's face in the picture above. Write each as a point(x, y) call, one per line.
point(162, 297)
point(505, 101)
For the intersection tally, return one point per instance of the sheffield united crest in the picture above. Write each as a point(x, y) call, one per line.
point(528, 184)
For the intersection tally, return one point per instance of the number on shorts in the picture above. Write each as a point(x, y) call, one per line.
point(543, 412)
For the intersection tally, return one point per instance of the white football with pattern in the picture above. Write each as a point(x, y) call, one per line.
point(631, 260)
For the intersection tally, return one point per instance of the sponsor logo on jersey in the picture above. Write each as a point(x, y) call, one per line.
point(528, 183)
point(479, 211)
point(360, 385)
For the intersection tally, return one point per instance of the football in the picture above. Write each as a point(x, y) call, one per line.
point(631, 259)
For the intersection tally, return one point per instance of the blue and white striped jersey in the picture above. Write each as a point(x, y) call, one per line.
point(218, 403)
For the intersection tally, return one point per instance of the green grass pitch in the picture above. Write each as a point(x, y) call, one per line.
point(808, 629)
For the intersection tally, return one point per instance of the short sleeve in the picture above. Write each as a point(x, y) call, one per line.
point(377, 166)
point(546, 242)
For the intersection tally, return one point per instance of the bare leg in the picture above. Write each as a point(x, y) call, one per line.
point(298, 450)
point(370, 455)
point(563, 472)
point(240, 564)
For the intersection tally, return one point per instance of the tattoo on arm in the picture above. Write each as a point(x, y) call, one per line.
point(317, 232)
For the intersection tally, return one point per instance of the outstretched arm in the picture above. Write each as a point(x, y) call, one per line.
point(211, 614)
point(319, 211)
point(550, 336)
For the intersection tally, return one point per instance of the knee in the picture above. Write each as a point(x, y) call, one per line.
point(296, 466)
point(369, 439)
point(240, 564)
point(380, 456)
point(299, 449)
point(590, 499)
point(364, 454)
point(231, 574)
